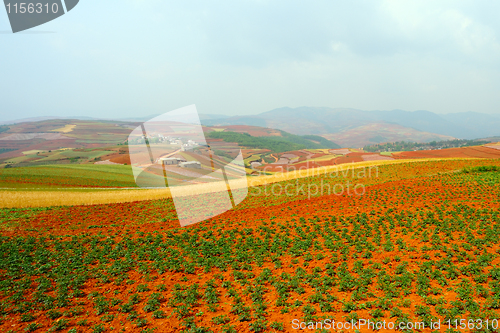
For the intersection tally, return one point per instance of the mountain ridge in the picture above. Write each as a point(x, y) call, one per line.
point(326, 121)
point(352, 127)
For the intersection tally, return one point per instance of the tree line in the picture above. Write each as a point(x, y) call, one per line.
point(409, 145)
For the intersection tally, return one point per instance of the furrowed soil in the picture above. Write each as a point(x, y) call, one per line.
point(415, 243)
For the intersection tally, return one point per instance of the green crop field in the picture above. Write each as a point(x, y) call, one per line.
point(90, 175)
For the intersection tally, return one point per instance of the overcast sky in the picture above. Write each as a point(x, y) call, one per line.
point(125, 58)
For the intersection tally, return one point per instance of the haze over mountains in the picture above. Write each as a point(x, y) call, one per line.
point(356, 128)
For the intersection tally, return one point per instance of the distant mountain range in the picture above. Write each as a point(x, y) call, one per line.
point(129, 119)
point(357, 128)
point(352, 127)
point(34, 119)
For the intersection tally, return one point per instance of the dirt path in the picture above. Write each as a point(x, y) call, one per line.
point(168, 155)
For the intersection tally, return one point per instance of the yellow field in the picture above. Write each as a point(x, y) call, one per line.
point(21, 199)
point(65, 129)
point(322, 158)
point(18, 159)
point(31, 152)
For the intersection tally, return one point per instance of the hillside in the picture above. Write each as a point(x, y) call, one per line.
point(58, 141)
point(381, 132)
point(324, 121)
point(278, 144)
point(71, 141)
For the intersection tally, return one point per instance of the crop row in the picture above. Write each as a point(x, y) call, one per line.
point(302, 266)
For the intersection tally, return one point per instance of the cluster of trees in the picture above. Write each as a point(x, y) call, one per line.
point(5, 150)
point(278, 144)
point(3, 129)
point(408, 145)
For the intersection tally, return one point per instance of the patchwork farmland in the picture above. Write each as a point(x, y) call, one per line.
point(325, 233)
point(420, 244)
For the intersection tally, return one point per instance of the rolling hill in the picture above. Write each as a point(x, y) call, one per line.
point(71, 141)
point(278, 144)
point(373, 133)
point(344, 125)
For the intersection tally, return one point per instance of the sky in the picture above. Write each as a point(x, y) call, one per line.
point(133, 58)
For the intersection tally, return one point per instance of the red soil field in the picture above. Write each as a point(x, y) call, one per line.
point(118, 158)
point(375, 157)
point(299, 152)
point(350, 158)
point(413, 245)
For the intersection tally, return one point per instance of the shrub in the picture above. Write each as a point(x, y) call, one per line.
point(60, 325)
point(158, 314)
point(141, 322)
point(228, 329)
point(142, 288)
point(222, 319)
point(82, 322)
point(98, 328)
point(54, 314)
point(348, 307)
point(107, 318)
point(27, 317)
point(33, 327)
point(257, 326)
point(277, 326)
point(308, 309)
point(377, 313)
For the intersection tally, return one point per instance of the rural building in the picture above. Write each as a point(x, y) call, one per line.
point(191, 164)
point(169, 161)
